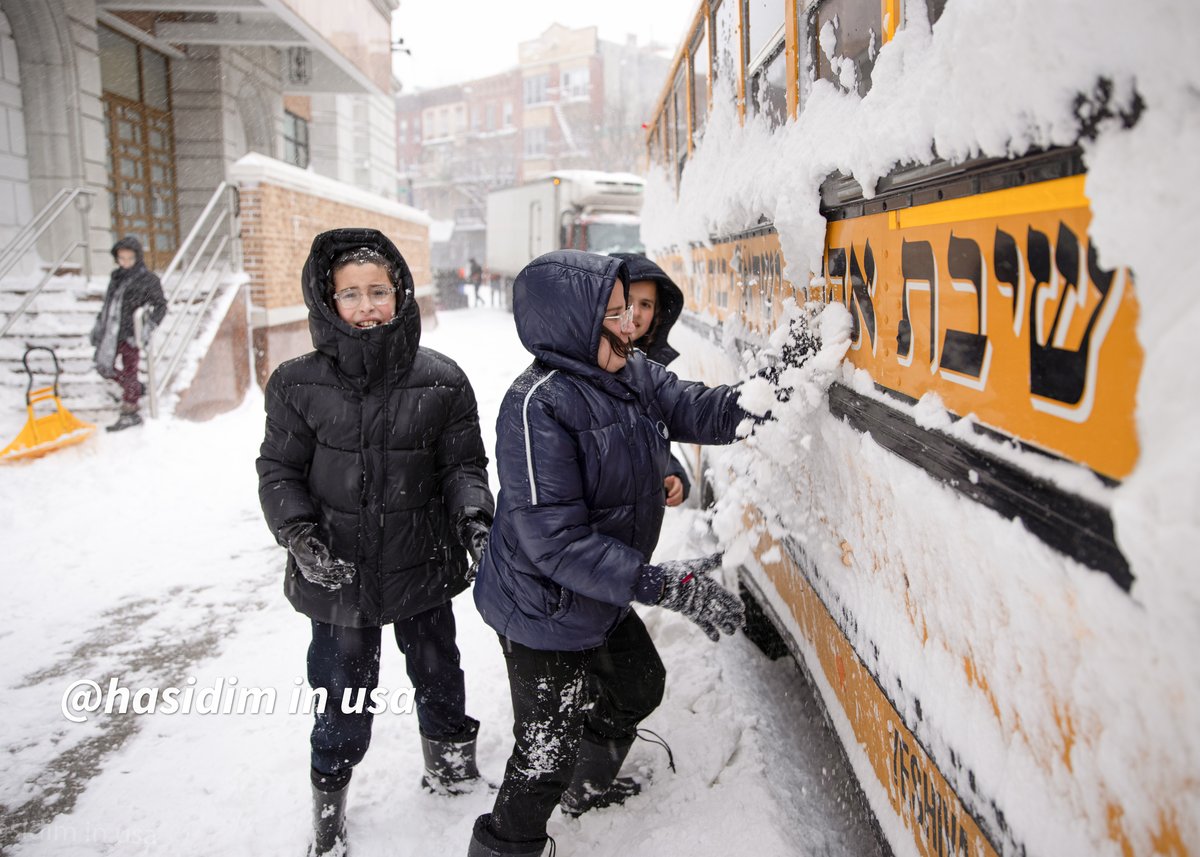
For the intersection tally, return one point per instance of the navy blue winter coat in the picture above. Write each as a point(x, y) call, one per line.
point(581, 454)
point(376, 440)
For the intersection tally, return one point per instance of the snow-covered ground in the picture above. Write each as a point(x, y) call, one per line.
point(142, 557)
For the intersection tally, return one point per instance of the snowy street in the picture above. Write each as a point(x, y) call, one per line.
point(141, 559)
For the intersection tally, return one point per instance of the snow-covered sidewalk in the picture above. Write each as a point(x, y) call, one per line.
point(142, 557)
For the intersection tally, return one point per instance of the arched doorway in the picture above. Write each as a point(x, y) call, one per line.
point(141, 168)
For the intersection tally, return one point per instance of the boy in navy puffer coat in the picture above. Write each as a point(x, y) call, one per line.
point(582, 447)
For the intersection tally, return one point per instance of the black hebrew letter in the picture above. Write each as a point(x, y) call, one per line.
point(963, 351)
point(1060, 373)
point(862, 289)
point(917, 265)
point(1008, 270)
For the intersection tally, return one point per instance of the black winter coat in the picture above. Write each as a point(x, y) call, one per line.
point(581, 454)
point(129, 289)
point(375, 440)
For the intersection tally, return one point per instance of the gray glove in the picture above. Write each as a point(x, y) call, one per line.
point(688, 589)
point(312, 557)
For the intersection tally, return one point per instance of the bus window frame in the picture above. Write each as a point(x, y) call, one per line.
point(702, 31)
point(680, 87)
point(886, 8)
point(775, 48)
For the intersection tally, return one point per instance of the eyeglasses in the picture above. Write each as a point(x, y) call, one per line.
point(350, 298)
point(625, 319)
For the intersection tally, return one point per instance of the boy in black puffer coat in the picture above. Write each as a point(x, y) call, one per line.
point(131, 286)
point(582, 445)
point(371, 473)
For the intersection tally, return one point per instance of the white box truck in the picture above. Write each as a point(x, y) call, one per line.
point(577, 209)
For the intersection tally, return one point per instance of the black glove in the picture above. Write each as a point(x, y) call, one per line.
point(312, 557)
point(473, 526)
point(688, 589)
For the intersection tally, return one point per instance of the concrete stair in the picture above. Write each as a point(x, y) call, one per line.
point(61, 318)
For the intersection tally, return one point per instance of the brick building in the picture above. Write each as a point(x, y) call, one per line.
point(572, 101)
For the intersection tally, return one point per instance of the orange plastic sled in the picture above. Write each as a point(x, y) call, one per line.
point(48, 432)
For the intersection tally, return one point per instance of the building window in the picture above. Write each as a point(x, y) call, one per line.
point(490, 122)
point(295, 140)
point(535, 88)
point(535, 142)
point(508, 114)
point(403, 135)
point(575, 83)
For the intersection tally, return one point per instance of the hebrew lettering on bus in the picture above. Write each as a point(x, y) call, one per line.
point(966, 355)
point(919, 272)
point(923, 797)
point(860, 297)
point(1062, 378)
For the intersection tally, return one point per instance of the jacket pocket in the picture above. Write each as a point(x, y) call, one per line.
point(558, 608)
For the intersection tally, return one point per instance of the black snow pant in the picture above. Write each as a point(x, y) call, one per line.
point(341, 658)
point(622, 682)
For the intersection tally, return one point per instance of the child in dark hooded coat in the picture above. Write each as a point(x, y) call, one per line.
point(131, 287)
point(583, 440)
point(372, 472)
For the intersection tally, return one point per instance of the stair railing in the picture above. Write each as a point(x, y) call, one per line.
point(190, 294)
point(27, 237)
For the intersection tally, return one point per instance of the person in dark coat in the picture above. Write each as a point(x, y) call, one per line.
point(475, 275)
point(657, 304)
point(582, 447)
point(373, 475)
point(130, 287)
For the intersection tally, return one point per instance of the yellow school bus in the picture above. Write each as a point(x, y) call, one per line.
point(958, 593)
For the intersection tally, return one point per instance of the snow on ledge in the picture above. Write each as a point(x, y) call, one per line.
point(253, 168)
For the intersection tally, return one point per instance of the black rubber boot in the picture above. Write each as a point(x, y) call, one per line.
point(128, 419)
point(485, 844)
point(450, 766)
point(595, 783)
point(329, 815)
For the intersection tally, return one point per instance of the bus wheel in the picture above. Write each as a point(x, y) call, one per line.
point(759, 629)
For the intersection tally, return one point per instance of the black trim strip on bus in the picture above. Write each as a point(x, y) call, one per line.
point(842, 197)
point(1072, 525)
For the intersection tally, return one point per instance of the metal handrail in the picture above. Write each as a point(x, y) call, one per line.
point(27, 236)
point(37, 290)
point(190, 294)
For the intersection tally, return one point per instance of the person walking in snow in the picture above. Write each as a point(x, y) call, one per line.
point(582, 448)
point(130, 287)
point(657, 303)
point(475, 275)
point(373, 475)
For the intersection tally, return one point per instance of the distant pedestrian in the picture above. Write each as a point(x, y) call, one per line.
point(130, 287)
point(373, 475)
point(475, 275)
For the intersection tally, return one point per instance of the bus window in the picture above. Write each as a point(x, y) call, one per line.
point(846, 37)
point(699, 68)
point(679, 114)
point(765, 23)
point(726, 57)
point(766, 86)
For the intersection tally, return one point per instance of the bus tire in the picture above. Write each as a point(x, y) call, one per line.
point(759, 629)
